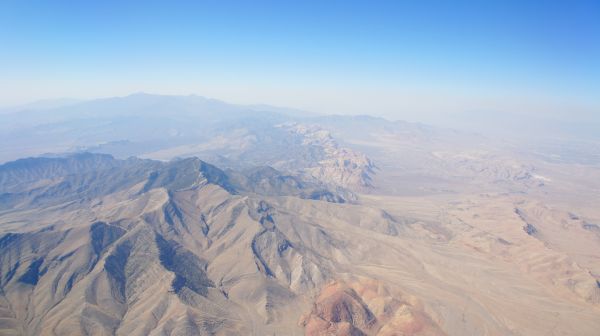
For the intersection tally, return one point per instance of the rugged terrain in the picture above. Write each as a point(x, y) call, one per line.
point(275, 224)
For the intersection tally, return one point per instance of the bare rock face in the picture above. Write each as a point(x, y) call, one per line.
point(339, 310)
point(338, 166)
point(530, 229)
point(366, 307)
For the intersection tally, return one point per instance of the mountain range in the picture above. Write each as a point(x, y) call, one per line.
point(169, 215)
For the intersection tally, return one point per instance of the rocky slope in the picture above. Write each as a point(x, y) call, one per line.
point(183, 248)
point(339, 165)
point(366, 307)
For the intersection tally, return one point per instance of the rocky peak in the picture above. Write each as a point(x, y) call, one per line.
point(339, 166)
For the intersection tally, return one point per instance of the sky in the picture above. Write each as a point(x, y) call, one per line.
point(413, 60)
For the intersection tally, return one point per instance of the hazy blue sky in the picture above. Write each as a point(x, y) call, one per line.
point(405, 59)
